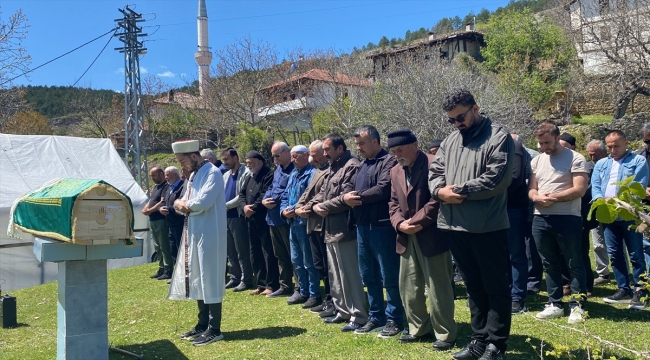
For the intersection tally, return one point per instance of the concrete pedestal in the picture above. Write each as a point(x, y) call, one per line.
point(82, 315)
point(82, 310)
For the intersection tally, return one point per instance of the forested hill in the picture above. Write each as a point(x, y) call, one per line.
point(52, 101)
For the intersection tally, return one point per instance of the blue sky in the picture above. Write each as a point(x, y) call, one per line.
point(58, 26)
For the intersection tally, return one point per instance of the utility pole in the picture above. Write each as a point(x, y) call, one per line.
point(135, 133)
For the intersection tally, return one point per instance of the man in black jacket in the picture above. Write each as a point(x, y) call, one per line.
point(174, 220)
point(265, 264)
point(378, 261)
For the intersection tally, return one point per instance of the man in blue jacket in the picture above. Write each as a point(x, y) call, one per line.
point(279, 227)
point(301, 258)
point(618, 166)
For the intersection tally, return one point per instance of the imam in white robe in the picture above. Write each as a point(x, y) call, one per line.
point(205, 240)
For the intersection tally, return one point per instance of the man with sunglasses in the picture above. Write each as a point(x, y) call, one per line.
point(470, 176)
point(278, 225)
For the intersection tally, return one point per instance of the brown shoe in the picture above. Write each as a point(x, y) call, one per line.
point(266, 292)
point(256, 292)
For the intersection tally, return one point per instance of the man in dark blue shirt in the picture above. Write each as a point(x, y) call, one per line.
point(378, 260)
point(158, 225)
point(279, 227)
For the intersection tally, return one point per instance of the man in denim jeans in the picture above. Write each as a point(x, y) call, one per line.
point(378, 261)
point(645, 152)
point(558, 181)
point(618, 166)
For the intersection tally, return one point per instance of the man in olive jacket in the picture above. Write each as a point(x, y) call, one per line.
point(470, 176)
point(346, 287)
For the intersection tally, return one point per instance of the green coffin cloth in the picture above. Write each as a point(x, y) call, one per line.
point(54, 204)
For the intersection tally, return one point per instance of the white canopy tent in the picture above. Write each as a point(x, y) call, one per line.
point(29, 161)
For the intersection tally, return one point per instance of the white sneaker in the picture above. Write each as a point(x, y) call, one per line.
point(550, 312)
point(576, 315)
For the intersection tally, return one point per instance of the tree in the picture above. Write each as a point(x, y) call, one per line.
point(27, 123)
point(614, 44)
point(443, 26)
point(384, 42)
point(483, 16)
point(14, 60)
point(530, 56)
point(100, 115)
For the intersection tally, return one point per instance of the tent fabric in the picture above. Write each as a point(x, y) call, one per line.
point(27, 162)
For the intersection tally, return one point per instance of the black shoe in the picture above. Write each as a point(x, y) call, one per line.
point(440, 345)
point(620, 296)
point(193, 333)
point(335, 320)
point(164, 276)
point(279, 292)
point(318, 308)
point(408, 338)
point(208, 336)
point(492, 353)
point(368, 328)
point(471, 351)
point(328, 311)
point(312, 302)
point(296, 298)
point(636, 302)
point(351, 326)
point(518, 307)
point(232, 283)
point(157, 274)
point(391, 329)
point(241, 287)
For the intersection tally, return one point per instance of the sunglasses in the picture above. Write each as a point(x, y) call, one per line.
point(647, 141)
point(460, 118)
point(278, 155)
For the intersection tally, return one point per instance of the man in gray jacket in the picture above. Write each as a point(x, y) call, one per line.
point(469, 176)
point(346, 287)
point(241, 269)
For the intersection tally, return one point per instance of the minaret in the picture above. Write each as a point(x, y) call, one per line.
point(203, 56)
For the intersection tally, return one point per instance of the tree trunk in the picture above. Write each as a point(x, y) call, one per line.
point(624, 99)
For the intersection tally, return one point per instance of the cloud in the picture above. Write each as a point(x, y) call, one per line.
point(143, 70)
point(119, 71)
point(163, 67)
point(167, 73)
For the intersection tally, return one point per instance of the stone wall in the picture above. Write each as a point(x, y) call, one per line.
point(630, 124)
point(600, 98)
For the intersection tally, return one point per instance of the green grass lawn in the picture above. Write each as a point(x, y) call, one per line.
point(143, 321)
point(592, 119)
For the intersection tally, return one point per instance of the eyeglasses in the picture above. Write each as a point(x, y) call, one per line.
point(278, 155)
point(647, 141)
point(460, 118)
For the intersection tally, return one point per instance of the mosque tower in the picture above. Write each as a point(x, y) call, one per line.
point(203, 56)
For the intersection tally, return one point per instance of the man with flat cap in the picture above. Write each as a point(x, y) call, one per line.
point(198, 274)
point(424, 253)
point(265, 264)
point(434, 146)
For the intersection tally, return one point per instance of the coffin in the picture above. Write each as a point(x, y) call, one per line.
point(80, 211)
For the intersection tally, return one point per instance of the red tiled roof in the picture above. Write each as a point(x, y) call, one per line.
point(322, 75)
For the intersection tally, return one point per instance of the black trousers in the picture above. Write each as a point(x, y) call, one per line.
point(264, 262)
point(209, 315)
point(175, 235)
point(239, 253)
point(282, 252)
point(319, 255)
point(585, 248)
point(484, 263)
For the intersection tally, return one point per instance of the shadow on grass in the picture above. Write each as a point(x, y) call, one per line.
point(269, 333)
point(161, 349)
point(19, 325)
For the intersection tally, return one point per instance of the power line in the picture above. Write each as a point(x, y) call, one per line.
point(97, 57)
point(60, 56)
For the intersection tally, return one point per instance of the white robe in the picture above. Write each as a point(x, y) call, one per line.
point(206, 240)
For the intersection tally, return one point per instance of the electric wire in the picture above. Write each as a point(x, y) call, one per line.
point(96, 57)
point(60, 56)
